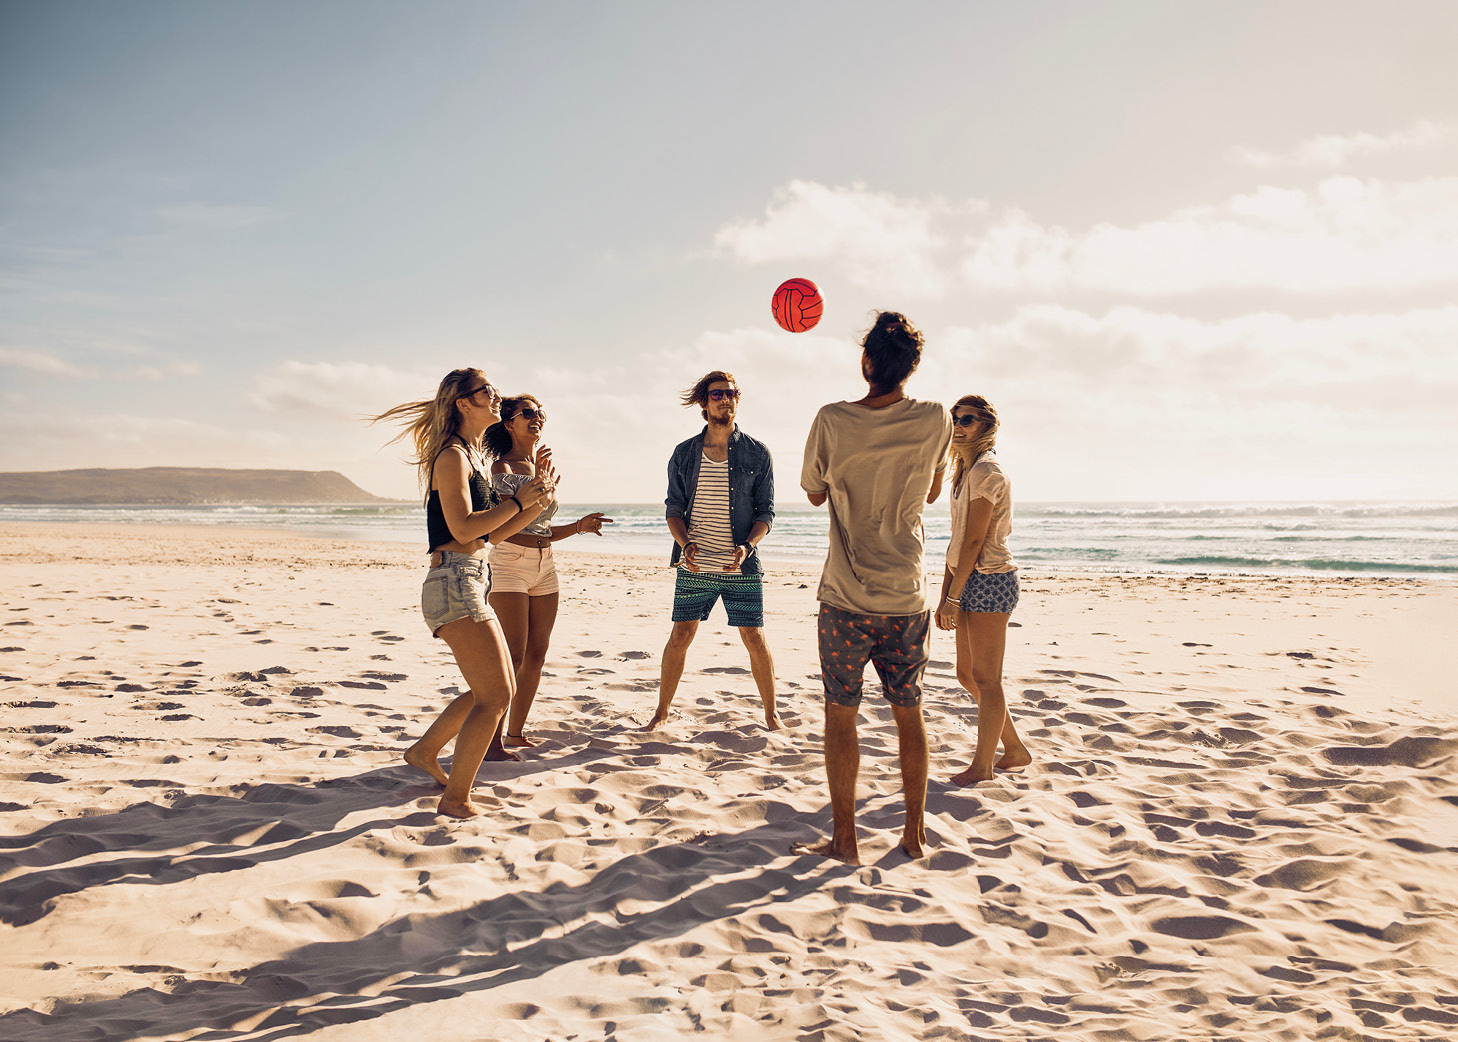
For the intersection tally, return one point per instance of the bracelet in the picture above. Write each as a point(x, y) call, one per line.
point(952, 600)
point(577, 527)
point(519, 507)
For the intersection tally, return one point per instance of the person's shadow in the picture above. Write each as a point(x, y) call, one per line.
point(503, 940)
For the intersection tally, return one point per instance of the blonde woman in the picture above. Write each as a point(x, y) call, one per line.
point(460, 510)
point(524, 589)
point(980, 584)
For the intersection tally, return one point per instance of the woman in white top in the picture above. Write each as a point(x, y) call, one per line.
point(980, 584)
point(523, 570)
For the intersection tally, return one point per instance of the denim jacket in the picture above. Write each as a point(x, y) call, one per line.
point(751, 488)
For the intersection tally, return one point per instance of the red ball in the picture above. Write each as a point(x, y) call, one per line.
point(797, 305)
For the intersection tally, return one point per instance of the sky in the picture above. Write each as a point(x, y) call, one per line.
point(1190, 251)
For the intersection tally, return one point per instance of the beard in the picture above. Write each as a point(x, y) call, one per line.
point(716, 421)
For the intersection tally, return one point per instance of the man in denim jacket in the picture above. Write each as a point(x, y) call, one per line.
point(721, 503)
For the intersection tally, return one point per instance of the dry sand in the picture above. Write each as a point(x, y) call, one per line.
point(1242, 822)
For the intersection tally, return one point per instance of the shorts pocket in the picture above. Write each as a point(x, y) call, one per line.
point(435, 594)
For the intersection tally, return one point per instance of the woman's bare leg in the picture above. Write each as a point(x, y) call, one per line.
point(514, 612)
point(541, 617)
point(981, 644)
point(425, 753)
point(480, 650)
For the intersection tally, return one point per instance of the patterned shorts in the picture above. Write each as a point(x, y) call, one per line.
point(695, 594)
point(897, 645)
point(990, 592)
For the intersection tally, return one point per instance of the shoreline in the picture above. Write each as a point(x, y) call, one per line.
point(641, 552)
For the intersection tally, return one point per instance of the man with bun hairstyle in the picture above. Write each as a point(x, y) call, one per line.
point(877, 461)
point(720, 504)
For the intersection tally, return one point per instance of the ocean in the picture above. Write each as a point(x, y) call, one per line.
point(1394, 539)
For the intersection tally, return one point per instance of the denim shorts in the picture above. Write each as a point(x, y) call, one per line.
point(456, 589)
point(990, 592)
point(523, 569)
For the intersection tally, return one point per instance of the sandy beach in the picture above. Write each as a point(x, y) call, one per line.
point(1242, 820)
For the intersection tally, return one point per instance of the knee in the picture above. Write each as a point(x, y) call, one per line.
point(967, 678)
point(680, 638)
point(753, 638)
point(534, 656)
point(497, 700)
point(986, 682)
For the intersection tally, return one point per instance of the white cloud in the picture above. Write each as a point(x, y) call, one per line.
point(1333, 150)
point(1384, 362)
point(882, 241)
point(339, 389)
point(40, 363)
point(1344, 235)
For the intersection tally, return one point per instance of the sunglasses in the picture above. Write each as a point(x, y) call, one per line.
point(966, 420)
point(491, 393)
point(721, 394)
point(531, 414)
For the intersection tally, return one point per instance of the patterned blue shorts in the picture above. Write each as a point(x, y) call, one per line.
point(696, 593)
point(990, 592)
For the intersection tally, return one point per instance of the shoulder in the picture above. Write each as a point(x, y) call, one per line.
point(831, 412)
point(751, 443)
point(930, 411)
point(688, 445)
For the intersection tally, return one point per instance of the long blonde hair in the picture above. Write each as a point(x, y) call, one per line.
point(431, 424)
point(987, 422)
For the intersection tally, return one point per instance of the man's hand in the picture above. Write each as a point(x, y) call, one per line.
point(690, 551)
point(740, 553)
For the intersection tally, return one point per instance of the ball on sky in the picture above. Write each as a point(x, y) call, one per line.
point(796, 305)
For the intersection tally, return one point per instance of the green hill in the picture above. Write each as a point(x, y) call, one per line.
point(180, 486)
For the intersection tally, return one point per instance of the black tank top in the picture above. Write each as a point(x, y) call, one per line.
point(483, 497)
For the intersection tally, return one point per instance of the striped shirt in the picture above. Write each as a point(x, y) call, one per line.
point(709, 518)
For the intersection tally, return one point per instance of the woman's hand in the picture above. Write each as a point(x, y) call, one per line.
point(593, 523)
point(533, 495)
point(946, 615)
point(542, 464)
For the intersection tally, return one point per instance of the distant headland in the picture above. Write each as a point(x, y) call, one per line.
point(180, 486)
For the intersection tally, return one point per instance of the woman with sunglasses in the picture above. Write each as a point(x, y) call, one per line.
point(524, 587)
point(980, 584)
point(460, 510)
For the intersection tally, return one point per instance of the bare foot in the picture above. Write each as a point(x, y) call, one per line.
point(425, 763)
point(971, 776)
point(1013, 760)
point(457, 808)
point(497, 753)
point(829, 849)
point(659, 719)
point(517, 739)
point(773, 723)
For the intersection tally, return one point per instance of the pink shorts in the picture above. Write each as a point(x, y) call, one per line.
point(523, 569)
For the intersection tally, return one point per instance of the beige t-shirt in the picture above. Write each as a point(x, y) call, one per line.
point(984, 480)
point(876, 466)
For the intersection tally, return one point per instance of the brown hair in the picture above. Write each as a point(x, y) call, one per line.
point(987, 423)
point(892, 350)
point(432, 423)
point(497, 438)
point(698, 394)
